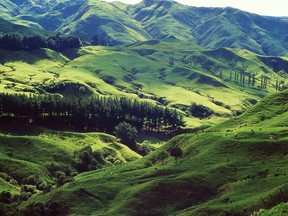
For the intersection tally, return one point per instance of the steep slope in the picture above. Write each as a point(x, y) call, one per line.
point(116, 23)
point(212, 27)
point(105, 24)
point(223, 170)
point(89, 19)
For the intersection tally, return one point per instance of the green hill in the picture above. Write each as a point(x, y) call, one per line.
point(227, 169)
point(221, 68)
point(106, 23)
point(143, 71)
point(21, 28)
point(35, 159)
point(211, 27)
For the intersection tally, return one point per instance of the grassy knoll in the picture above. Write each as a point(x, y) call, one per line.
point(234, 168)
point(38, 157)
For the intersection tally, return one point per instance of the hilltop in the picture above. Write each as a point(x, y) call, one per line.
point(105, 23)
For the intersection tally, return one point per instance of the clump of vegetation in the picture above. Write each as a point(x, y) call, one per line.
point(176, 152)
point(88, 113)
point(127, 134)
point(51, 208)
point(200, 111)
point(15, 41)
point(62, 174)
point(88, 160)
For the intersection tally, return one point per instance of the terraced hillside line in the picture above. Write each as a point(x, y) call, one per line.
point(163, 74)
point(86, 192)
point(11, 67)
point(130, 77)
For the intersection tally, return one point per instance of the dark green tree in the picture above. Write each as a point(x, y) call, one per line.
point(127, 134)
point(176, 152)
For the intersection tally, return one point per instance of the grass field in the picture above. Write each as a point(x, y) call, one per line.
point(27, 152)
point(234, 168)
point(142, 71)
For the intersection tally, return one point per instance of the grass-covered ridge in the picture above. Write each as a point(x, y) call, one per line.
point(36, 160)
point(104, 23)
point(168, 73)
point(233, 168)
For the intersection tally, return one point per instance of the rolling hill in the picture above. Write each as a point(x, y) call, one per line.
point(197, 76)
point(115, 23)
point(223, 170)
point(212, 27)
point(36, 156)
point(222, 69)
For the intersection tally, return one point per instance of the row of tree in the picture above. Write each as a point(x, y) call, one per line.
point(88, 113)
point(15, 41)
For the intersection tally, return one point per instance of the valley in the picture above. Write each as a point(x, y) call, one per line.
point(155, 108)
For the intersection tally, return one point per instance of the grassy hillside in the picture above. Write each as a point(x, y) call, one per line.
point(36, 158)
point(228, 169)
point(106, 23)
point(212, 27)
point(21, 28)
point(200, 61)
point(143, 70)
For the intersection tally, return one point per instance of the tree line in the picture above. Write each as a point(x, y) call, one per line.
point(16, 41)
point(93, 113)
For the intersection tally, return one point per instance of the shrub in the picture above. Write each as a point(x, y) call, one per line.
point(3, 209)
point(86, 160)
point(53, 168)
point(30, 180)
point(28, 188)
point(127, 134)
point(176, 152)
point(200, 111)
point(5, 197)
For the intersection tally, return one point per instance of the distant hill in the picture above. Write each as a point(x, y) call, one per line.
point(221, 83)
point(213, 27)
point(116, 23)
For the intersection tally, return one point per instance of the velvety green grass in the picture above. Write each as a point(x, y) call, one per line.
point(141, 70)
point(280, 210)
point(220, 172)
point(27, 151)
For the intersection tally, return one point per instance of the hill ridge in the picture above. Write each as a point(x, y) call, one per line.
point(106, 23)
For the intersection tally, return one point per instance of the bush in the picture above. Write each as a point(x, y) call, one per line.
point(24, 196)
point(127, 134)
point(145, 148)
point(87, 160)
point(53, 168)
point(98, 156)
point(160, 157)
point(31, 180)
point(200, 111)
point(28, 188)
point(5, 197)
point(176, 152)
point(3, 209)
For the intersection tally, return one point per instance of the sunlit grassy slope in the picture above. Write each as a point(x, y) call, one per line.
point(101, 22)
point(142, 70)
point(233, 169)
point(27, 151)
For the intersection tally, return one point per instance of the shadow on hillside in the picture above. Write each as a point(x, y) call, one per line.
point(20, 129)
point(29, 57)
